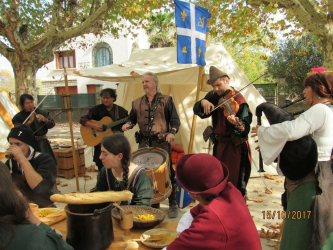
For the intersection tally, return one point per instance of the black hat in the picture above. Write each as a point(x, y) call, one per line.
point(24, 134)
point(298, 158)
point(214, 74)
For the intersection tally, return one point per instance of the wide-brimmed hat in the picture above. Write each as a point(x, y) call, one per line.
point(214, 74)
point(201, 174)
point(24, 134)
point(298, 158)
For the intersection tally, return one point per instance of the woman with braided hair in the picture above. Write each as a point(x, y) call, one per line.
point(119, 173)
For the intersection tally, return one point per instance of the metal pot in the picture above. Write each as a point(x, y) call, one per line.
point(89, 226)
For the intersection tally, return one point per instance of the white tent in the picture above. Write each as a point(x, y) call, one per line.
point(7, 111)
point(180, 81)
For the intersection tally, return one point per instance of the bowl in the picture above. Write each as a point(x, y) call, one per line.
point(137, 210)
point(167, 236)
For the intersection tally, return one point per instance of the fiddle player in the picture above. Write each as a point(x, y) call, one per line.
point(40, 122)
point(230, 131)
point(156, 114)
point(107, 108)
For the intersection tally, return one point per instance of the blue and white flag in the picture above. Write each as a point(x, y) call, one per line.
point(191, 23)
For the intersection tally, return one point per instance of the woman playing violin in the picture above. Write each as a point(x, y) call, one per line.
point(231, 126)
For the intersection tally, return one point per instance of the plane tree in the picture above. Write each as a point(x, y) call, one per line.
point(32, 30)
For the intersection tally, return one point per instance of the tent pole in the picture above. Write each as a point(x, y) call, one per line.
point(68, 107)
point(194, 121)
point(200, 76)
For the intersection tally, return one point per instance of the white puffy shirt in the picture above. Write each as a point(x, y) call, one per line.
point(317, 120)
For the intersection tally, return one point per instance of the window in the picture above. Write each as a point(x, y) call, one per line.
point(102, 55)
point(65, 59)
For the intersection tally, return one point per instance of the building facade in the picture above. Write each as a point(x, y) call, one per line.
point(87, 52)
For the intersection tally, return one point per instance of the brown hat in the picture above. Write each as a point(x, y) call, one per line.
point(214, 74)
point(201, 174)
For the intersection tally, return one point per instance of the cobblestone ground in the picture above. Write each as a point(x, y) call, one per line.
point(263, 198)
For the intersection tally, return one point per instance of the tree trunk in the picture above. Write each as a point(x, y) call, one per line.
point(328, 52)
point(25, 78)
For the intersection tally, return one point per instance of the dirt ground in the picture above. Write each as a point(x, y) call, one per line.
point(263, 199)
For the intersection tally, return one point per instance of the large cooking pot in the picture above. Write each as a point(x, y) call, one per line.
point(89, 226)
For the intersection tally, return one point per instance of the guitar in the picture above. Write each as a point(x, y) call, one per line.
point(91, 137)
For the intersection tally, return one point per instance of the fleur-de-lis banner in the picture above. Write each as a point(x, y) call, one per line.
point(191, 24)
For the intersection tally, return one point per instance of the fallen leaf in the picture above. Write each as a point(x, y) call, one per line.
point(279, 181)
point(145, 63)
point(63, 184)
point(255, 200)
point(261, 195)
point(133, 73)
point(120, 65)
point(268, 190)
point(268, 176)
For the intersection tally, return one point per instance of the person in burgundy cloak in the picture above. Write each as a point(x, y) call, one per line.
point(221, 220)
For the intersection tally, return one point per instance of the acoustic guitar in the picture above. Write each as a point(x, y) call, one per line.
point(91, 137)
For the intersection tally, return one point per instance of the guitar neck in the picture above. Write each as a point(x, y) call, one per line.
point(116, 123)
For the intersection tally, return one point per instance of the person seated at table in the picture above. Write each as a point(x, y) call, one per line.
point(19, 227)
point(221, 220)
point(34, 173)
point(119, 173)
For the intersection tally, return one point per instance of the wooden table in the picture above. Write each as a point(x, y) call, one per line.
point(118, 244)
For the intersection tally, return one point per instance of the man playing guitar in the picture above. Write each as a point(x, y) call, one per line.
point(106, 109)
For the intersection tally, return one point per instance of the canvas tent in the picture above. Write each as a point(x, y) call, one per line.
point(179, 81)
point(7, 111)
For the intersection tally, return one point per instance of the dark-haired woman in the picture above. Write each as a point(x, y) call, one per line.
point(312, 194)
point(19, 228)
point(119, 173)
point(40, 122)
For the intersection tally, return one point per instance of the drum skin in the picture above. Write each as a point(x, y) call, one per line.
point(156, 163)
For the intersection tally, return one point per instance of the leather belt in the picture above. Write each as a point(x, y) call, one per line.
point(40, 137)
point(222, 139)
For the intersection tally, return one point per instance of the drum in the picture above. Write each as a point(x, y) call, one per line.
point(183, 197)
point(156, 163)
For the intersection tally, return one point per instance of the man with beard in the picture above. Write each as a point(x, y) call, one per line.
point(230, 133)
point(156, 114)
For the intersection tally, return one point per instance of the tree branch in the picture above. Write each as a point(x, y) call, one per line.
point(5, 50)
point(307, 15)
point(74, 31)
point(330, 9)
point(312, 9)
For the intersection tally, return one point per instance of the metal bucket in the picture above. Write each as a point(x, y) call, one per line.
point(89, 226)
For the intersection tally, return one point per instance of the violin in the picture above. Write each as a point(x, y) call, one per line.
point(230, 106)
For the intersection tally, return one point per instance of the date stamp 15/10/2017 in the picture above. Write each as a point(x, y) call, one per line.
point(293, 215)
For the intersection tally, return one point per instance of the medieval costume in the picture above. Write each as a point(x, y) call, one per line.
point(40, 162)
point(157, 118)
point(224, 222)
point(139, 184)
point(230, 143)
point(309, 187)
point(39, 128)
point(32, 237)
point(97, 113)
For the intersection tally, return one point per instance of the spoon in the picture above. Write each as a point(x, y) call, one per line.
point(115, 204)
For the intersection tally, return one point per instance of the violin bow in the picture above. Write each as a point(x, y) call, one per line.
point(239, 91)
point(32, 112)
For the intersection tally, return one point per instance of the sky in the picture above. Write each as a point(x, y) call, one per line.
point(5, 64)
